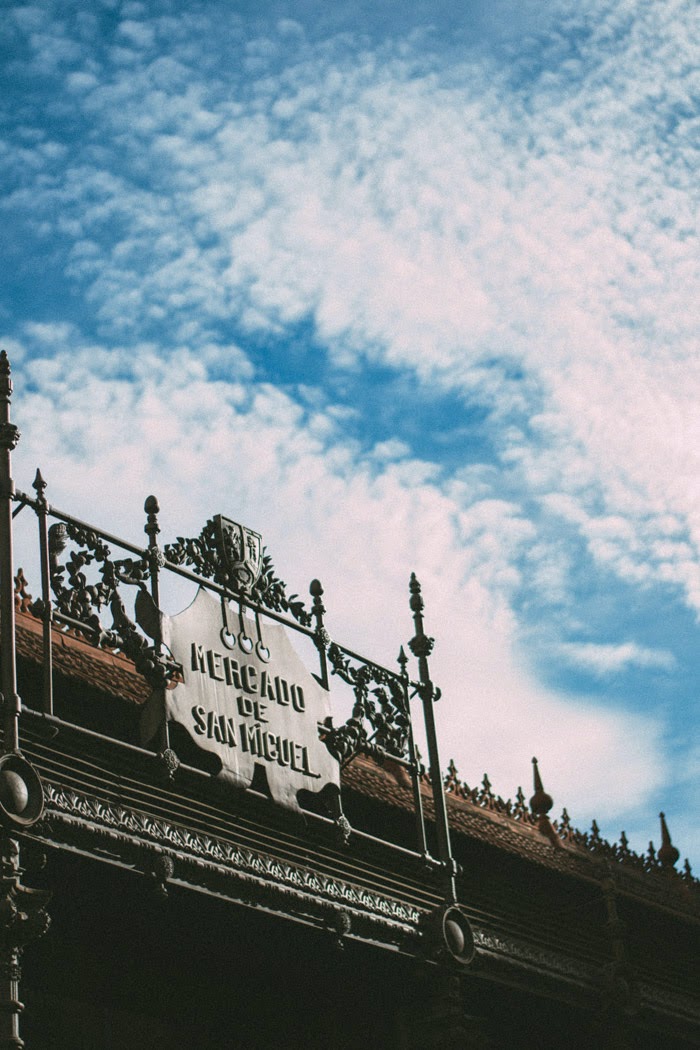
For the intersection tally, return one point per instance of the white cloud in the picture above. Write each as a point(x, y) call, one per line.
point(605, 658)
point(139, 34)
point(434, 222)
point(520, 235)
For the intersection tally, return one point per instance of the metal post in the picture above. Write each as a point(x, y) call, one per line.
point(23, 918)
point(9, 436)
point(39, 486)
point(421, 646)
point(415, 764)
point(152, 529)
point(321, 636)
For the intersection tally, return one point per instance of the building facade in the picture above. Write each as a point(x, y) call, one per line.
point(198, 852)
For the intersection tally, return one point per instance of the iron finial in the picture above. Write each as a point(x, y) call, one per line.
point(321, 636)
point(39, 485)
point(5, 376)
point(420, 645)
point(402, 660)
point(667, 854)
point(541, 802)
point(540, 805)
point(317, 606)
point(151, 528)
point(416, 602)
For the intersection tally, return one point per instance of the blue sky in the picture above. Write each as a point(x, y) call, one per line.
point(403, 290)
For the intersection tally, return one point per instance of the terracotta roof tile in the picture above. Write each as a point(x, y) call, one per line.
point(110, 672)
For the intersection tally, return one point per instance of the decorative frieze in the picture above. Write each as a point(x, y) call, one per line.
point(65, 805)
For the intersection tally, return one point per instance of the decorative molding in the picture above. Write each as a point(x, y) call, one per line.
point(177, 855)
point(63, 802)
point(9, 436)
point(669, 1001)
point(518, 951)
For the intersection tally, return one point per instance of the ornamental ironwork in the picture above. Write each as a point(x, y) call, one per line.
point(87, 593)
point(233, 556)
point(81, 603)
point(380, 720)
point(590, 843)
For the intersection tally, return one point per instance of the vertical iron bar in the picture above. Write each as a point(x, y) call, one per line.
point(10, 970)
point(321, 635)
point(322, 641)
point(39, 486)
point(152, 528)
point(415, 764)
point(421, 646)
point(23, 918)
point(9, 436)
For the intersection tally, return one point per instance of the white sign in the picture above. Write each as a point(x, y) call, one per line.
point(259, 707)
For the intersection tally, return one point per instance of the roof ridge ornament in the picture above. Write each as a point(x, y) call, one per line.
point(541, 802)
point(540, 805)
point(667, 853)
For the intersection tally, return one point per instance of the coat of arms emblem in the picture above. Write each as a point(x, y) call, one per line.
point(240, 552)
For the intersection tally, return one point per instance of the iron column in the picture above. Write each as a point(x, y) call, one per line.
point(9, 436)
point(421, 646)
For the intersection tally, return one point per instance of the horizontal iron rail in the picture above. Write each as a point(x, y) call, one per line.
point(179, 570)
point(208, 866)
point(54, 722)
point(69, 519)
point(242, 827)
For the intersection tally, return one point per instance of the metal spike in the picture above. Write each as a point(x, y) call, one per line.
point(668, 854)
point(39, 485)
point(541, 802)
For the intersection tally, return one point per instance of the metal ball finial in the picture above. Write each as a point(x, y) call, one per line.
point(541, 802)
point(667, 854)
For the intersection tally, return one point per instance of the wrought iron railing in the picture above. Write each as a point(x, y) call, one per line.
point(107, 591)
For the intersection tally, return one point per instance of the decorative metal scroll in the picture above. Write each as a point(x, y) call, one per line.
point(81, 603)
point(380, 703)
point(232, 556)
point(379, 724)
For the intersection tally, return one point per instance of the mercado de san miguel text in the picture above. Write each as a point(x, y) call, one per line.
point(217, 830)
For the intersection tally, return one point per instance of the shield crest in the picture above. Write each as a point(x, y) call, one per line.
point(240, 552)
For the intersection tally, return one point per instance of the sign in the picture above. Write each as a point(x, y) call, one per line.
point(258, 707)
